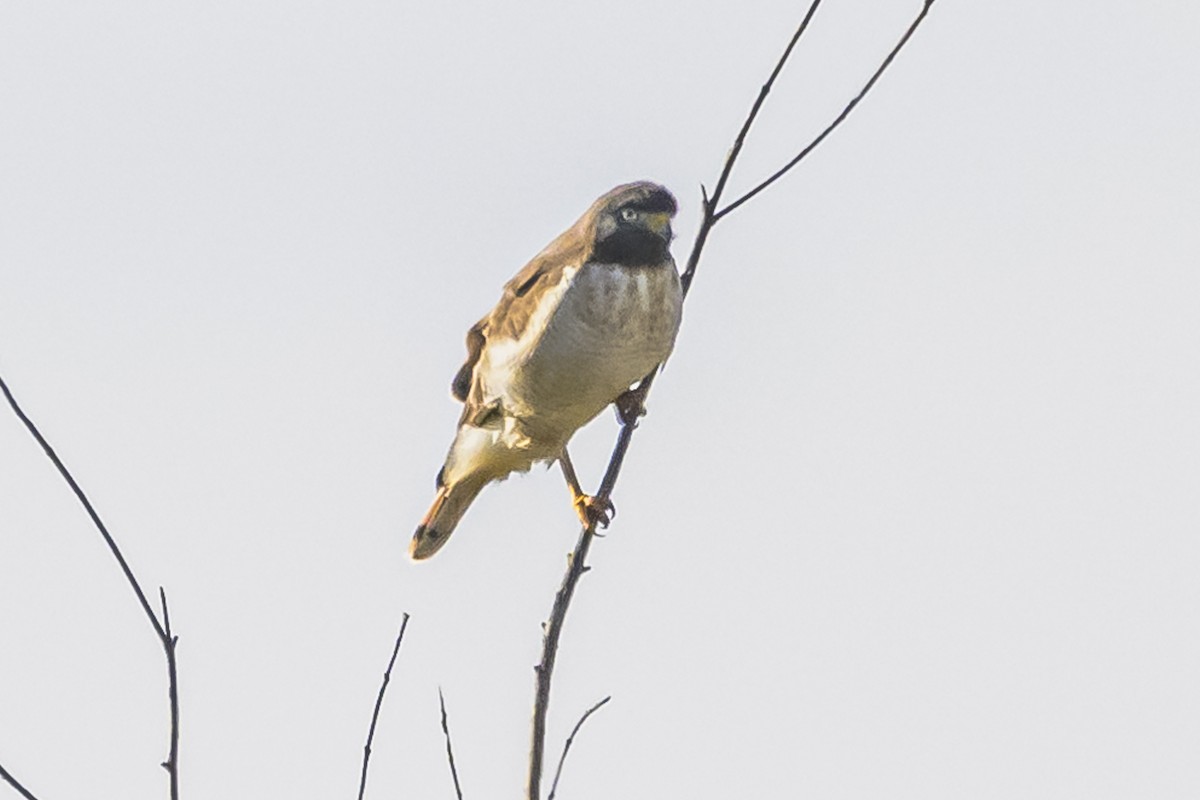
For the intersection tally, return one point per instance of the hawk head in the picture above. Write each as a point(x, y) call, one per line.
point(631, 225)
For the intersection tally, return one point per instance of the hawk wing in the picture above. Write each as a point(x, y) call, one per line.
point(511, 315)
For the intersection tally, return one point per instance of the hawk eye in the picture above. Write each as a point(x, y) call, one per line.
point(629, 214)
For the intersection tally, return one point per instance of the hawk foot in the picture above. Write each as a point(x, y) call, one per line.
point(593, 511)
point(629, 407)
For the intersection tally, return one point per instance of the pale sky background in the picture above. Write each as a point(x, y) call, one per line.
point(914, 513)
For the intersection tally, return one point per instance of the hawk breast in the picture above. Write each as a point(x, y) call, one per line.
point(611, 326)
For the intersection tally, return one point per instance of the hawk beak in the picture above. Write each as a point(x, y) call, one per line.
point(660, 223)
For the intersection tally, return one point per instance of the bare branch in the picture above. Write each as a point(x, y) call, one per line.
point(161, 629)
point(837, 120)
point(709, 203)
point(576, 561)
point(387, 676)
point(449, 749)
point(576, 566)
point(567, 745)
point(11, 781)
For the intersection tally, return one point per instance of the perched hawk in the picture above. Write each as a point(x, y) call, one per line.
point(591, 314)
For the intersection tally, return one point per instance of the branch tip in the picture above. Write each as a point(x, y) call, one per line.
point(387, 676)
point(449, 749)
point(569, 741)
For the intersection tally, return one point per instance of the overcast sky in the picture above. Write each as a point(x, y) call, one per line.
point(914, 512)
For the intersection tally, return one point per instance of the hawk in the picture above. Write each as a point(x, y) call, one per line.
point(589, 316)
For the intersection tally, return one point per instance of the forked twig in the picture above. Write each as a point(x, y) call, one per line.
point(387, 677)
point(713, 213)
point(838, 120)
point(740, 139)
point(162, 629)
point(567, 745)
point(449, 749)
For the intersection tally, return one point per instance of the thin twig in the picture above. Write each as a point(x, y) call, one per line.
point(87, 505)
point(161, 628)
point(449, 749)
point(171, 765)
point(567, 745)
point(576, 561)
point(14, 783)
point(387, 676)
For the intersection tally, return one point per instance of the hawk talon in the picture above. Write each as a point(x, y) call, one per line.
point(593, 512)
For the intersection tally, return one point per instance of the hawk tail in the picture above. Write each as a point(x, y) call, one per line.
point(443, 517)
